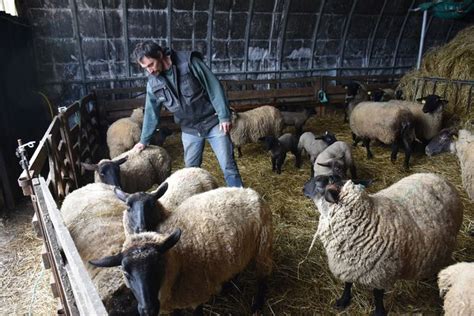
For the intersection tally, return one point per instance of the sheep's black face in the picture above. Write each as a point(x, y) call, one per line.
point(352, 88)
point(142, 213)
point(431, 103)
point(109, 173)
point(441, 142)
point(377, 95)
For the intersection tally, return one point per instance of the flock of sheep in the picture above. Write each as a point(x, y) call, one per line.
point(176, 246)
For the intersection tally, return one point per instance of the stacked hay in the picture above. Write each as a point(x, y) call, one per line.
point(452, 61)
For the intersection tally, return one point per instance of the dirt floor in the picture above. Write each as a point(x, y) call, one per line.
point(301, 284)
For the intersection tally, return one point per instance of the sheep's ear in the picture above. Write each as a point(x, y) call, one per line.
point(331, 195)
point(120, 161)
point(170, 241)
point(90, 167)
point(160, 191)
point(122, 196)
point(108, 262)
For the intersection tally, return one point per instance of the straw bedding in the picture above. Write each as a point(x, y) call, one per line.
point(300, 284)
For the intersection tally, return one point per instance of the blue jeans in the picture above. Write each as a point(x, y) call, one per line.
point(223, 149)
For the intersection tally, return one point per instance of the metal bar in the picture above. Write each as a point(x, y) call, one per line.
point(282, 37)
point(247, 35)
point(316, 30)
point(126, 50)
point(344, 36)
point(400, 35)
point(372, 38)
point(209, 33)
point(449, 31)
point(417, 85)
point(434, 87)
point(168, 22)
point(422, 39)
point(469, 98)
point(77, 37)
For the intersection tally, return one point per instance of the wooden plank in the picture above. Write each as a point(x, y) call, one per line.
point(45, 257)
point(86, 297)
point(278, 93)
point(36, 226)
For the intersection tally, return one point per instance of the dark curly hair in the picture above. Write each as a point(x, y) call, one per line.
point(148, 49)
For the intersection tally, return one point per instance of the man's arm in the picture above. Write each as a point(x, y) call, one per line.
point(151, 118)
point(213, 88)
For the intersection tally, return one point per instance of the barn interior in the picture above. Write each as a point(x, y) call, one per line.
point(68, 73)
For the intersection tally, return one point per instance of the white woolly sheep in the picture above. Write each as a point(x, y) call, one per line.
point(138, 171)
point(145, 211)
point(428, 114)
point(315, 145)
point(406, 231)
point(279, 147)
point(223, 230)
point(249, 126)
point(297, 119)
point(124, 133)
point(391, 124)
point(463, 147)
point(335, 160)
point(456, 286)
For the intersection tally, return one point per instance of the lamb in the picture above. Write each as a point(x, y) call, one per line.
point(208, 239)
point(279, 147)
point(406, 231)
point(335, 160)
point(428, 114)
point(297, 119)
point(88, 212)
point(138, 171)
point(315, 145)
point(124, 133)
point(456, 286)
point(463, 147)
point(388, 123)
point(356, 92)
point(249, 126)
point(145, 212)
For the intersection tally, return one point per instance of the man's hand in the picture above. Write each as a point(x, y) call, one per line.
point(139, 147)
point(225, 127)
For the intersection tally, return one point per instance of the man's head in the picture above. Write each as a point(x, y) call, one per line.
point(151, 57)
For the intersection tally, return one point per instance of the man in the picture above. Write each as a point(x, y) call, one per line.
point(186, 87)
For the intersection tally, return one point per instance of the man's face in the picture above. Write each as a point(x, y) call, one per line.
point(151, 65)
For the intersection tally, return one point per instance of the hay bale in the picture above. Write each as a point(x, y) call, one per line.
point(452, 61)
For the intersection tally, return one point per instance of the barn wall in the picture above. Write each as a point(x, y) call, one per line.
point(81, 42)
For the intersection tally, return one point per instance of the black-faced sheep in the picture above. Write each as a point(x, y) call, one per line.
point(391, 124)
point(279, 147)
point(145, 211)
point(134, 171)
point(249, 126)
point(356, 92)
point(297, 119)
point(428, 114)
point(315, 145)
point(381, 95)
point(335, 160)
point(207, 240)
point(406, 231)
point(462, 144)
point(456, 286)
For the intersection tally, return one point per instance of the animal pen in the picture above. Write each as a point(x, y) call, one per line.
point(76, 135)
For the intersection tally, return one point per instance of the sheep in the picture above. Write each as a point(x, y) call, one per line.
point(124, 133)
point(456, 286)
point(463, 147)
point(428, 114)
point(279, 147)
point(138, 171)
point(406, 231)
point(335, 159)
point(249, 126)
point(297, 119)
point(222, 231)
point(356, 92)
point(388, 123)
point(93, 216)
point(381, 95)
point(139, 216)
point(315, 145)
